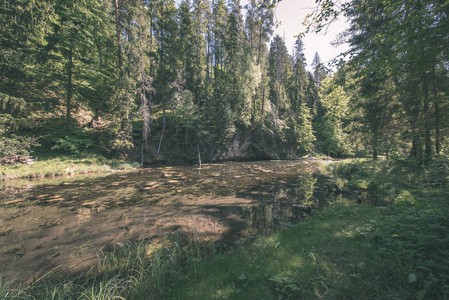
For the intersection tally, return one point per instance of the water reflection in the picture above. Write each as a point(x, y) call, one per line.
point(66, 222)
point(282, 203)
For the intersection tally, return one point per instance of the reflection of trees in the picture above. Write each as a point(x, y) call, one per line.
point(276, 208)
point(304, 191)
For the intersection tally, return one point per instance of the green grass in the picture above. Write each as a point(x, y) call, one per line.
point(400, 251)
point(45, 166)
point(345, 252)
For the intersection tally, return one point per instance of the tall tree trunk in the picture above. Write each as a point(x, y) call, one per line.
point(69, 85)
point(437, 128)
point(411, 111)
point(253, 105)
point(198, 129)
point(428, 142)
point(199, 153)
point(117, 29)
point(163, 125)
point(259, 44)
point(416, 151)
point(263, 102)
point(375, 146)
point(437, 121)
point(277, 104)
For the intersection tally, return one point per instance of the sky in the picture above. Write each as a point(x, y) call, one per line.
point(290, 14)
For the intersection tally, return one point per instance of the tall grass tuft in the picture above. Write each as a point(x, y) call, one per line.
point(130, 271)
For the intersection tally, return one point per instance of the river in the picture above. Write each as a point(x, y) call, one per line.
point(63, 223)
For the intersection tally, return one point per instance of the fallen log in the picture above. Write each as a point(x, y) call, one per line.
point(305, 208)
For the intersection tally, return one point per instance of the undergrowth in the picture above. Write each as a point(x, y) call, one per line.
point(142, 270)
point(347, 251)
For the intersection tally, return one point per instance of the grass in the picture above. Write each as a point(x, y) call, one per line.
point(131, 271)
point(46, 166)
point(347, 251)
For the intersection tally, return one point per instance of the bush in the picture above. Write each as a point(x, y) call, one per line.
point(16, 145)
point(72, 144)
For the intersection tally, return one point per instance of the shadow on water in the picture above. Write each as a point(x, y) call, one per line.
point(64, 224)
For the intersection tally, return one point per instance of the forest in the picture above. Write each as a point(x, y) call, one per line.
point(152, 82)
point(239, 171)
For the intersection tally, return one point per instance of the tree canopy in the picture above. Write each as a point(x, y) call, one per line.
point(149, 80)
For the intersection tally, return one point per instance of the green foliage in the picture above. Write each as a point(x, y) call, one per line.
point(319, 70)
point(13, 123)
point(16, 145)
point(398, 56)
point(413, 238)
point(82, 60)
point(72, 144)
point(331, 137)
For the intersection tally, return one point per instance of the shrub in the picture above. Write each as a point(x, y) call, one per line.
point(72, 144)
point(16, 145)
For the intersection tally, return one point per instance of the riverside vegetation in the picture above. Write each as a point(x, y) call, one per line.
point(91, 86)
point(150, 82)
point(396, 248)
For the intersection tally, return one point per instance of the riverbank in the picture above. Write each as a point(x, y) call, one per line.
point(63, 165)
point(66, 165)
point(397, 249)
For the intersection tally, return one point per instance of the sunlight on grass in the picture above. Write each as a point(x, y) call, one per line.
point(153, 248)
point(69, 165)
point(223, 293)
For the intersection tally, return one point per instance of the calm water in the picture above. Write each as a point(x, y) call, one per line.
point(65, 222)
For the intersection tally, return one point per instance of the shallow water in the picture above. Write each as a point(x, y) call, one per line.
point(64, 223)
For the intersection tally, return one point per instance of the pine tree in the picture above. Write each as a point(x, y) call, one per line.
point(298, 82)
point(319, 71)
point(279, 68)
point(166, 34)
point(234, 43)
point(331, 137)
point(404, 39)
point(186, 44)
point(259, 27)
point(220, 15)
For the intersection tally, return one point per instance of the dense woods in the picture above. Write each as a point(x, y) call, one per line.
point(205, 80)
point(102, 85)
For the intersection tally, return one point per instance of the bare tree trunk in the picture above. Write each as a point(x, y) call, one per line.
point(437, 122)
point(187, 144)
point(375, 146)
point(163, 126)
point(428, 145)
point(69, 85)
point(437, 128)
point(117, 29)
point(199, 153)
point(263, 102)
point(198, 134)
point(259, 46)
point(416, 151)
point(253, 104)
